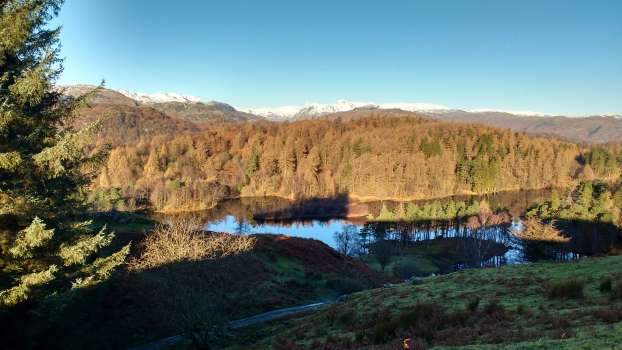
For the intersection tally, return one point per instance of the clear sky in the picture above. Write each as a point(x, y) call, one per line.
point(555, 56)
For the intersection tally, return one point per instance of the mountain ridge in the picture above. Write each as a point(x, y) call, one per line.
point(594, 128)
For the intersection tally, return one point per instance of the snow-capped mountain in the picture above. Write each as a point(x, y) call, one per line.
point(312, 109)
point(514, 112)
point(159, 97)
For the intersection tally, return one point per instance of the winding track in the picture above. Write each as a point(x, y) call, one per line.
point(241, 323)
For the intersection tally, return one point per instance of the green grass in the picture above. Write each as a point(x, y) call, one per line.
point(587, 338)
point(514, 312)
point(425, 266)
point(424, 258)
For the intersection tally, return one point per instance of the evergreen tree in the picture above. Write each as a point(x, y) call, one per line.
point(44, 166)
point(555, 201)
point(253, 164)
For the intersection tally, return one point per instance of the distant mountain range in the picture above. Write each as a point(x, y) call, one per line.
point(313, 110)
point(182, 109)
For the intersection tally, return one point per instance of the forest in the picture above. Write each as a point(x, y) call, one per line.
point(376, 155)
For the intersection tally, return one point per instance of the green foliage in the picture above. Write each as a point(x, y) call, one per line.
point(101, 269)
point(570, 289)
point(45, 165)
point(602, 162)
point(23, 289)
point(430, 148)
point(253, 164)
point(605, 285)
point(616, 291)
point(10, 161)
point(384, 215)
point(359, 147)
point(78, 251)
point(434, 210)
point(30, 238)
point(590, 201)
point(473, 304)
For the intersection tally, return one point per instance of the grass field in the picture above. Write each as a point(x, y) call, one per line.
point(575, 305)
point(428, 257)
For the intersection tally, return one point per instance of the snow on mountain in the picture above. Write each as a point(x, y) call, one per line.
point(159, 97)
point(274, 113)
point(515, 112)
point(414, 106)
point(312, 109)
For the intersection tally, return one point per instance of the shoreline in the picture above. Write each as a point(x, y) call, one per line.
point(352, 199)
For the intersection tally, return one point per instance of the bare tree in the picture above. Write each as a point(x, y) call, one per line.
point(345, 239)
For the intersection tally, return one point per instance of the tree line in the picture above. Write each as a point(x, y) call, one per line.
point(592, 201)
point(377, 157)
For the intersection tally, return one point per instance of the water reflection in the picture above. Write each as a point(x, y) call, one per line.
point(449, 245)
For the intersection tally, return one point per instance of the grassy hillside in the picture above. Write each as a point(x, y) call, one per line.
point(545, 305)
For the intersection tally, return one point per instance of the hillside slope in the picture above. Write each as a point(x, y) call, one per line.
point(544, 306)
point(174, 294)
point(597, 129)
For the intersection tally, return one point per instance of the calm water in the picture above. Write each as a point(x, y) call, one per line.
point(465, 247)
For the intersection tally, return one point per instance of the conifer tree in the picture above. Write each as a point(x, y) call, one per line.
point(44, 166)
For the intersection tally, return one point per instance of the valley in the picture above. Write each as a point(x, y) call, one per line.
point(165, 221)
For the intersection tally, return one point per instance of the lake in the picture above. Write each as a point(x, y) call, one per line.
point(448, 245)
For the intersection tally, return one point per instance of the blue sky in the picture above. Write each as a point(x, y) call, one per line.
point(555, 56)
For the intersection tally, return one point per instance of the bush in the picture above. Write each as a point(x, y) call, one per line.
point(571, 289)
point(423, 319)
point(183, 240)
point(473, 304)
point(616, 291)
point(520, 309)
point(605, 285)
point(346, 317)
point(345, 285)
point(493, 307)
point(405, 270)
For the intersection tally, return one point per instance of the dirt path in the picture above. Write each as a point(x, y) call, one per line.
point(241, 323)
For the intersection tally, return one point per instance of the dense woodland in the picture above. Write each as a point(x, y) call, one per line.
point(367, 154)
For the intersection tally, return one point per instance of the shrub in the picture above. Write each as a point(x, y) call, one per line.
point(183, 240)
point(359, 336)
point(520, 309)
point(605, 285)
point(561, 327)
point(616, 291)
point(609, 315)
point(345, 285)
point(383, 331)
point(493, 307)
point(571, 289)
point(423, 319)
point(406, 270)
point(346, 317)
point(473, 304)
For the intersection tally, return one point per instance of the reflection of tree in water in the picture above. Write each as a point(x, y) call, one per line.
point(586, 239)
point(242, 226)
point(472, 245)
